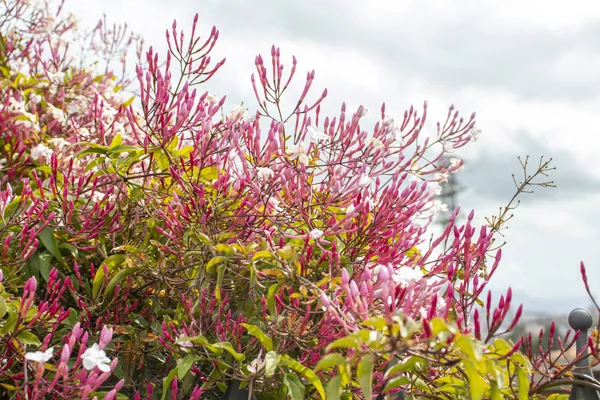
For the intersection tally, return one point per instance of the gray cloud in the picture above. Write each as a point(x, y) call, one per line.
point(490, 175)
point(452, 54)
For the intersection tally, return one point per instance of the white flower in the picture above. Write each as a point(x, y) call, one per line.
point(57, 114)
point(94, 357)
point(210, 99)
point(439, 206)
point(364, 181)
point(441, 303)
point(374, 336)
point(350, 209)
point(406, 276)
point(35, 98)
point(238, 112)
point(316, 135)
point(455, 162)
point(388, 122)
point(315, 234)
point(59, 143)
point(441, 177)
point(256, 365)
point(16, 106)
point(186, 344)
point(56, 77)
point(264, 173)
point(434, 188)
point(448, 147)
point(376, 143)
point(85, 132)
point(72, 20)
point(475, 133)
point(28, 123)
point(298, 152)
point(273, 202)
point(40, 151)
point(97, 196)
point(40, 356)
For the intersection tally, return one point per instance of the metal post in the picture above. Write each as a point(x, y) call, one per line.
point(581, 320)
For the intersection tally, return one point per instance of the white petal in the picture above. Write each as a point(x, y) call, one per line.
point(103, 367)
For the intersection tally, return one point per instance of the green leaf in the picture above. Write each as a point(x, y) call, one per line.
point(364, 373)
point(116, 279)
point(262, 254)
point(410, 364)
point(477, 384)
point(10, 323)
point(32, 265)
point(467, 345)
point(330, 360)
point(3, 309)
point(271, 300)
point(348, 342)
point(271, 362)
point(220, 275)
point(523, 383)
point(92, 149)
point(294, 385)
point(396, 382)
point(184, 365)
point(51, 244)
point(124, 148)
point(301, 369)
point(44, 265)
point(117, 141)
point(213, 262)
point(29, 338)
point(260, 335)
point(229, 348)
point(128, 102)
point(167, 383)
point(111, 262)
point(209, 173)
point(334, 388)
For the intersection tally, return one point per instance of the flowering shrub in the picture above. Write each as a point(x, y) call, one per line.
point(167, 249)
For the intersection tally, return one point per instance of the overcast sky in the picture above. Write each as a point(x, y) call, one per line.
point(530, 69)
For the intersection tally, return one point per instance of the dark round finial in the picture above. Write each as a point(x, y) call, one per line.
point(580, 319)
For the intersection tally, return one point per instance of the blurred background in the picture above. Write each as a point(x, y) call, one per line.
point(530, 69)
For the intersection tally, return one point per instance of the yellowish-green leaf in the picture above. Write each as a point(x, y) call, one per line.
point(117, 141)
point(51, 244)
point(523, 383)
point(111, 262)
point(214, 262)
point(271, 362)
point(185, 364)
point(306, 372)
point(260, 335)
point(262, 254)
point(334, 388)
point(128, 102)
point(477, 384)
point(294, 385)
point(410, 364)
point(229, 348)
point(209, 173)
point(29, 338)
point(330, 360)
point(347, 342)
point(364, 374)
